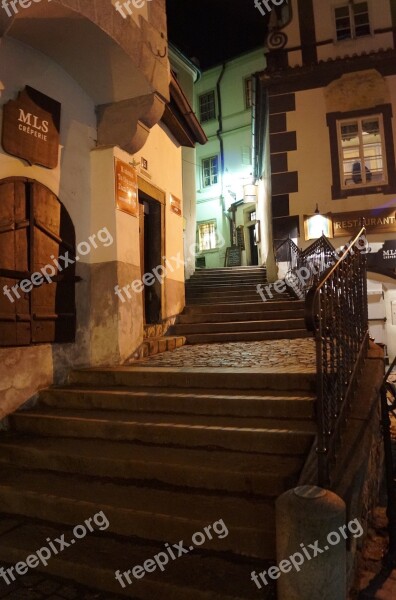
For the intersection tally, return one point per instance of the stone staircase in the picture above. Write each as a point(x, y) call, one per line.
point(164, 452)
point(223, 305)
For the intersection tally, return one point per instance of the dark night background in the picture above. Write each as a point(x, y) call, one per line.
point(215, 30)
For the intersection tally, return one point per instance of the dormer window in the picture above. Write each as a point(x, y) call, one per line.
point(352, 20)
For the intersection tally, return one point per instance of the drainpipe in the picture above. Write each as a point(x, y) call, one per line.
point(219, 134)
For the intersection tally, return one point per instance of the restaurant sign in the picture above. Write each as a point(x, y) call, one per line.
point(376, 220)
point(31, 126)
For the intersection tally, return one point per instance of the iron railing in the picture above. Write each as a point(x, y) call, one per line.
point(336, 312)
point(304, 267)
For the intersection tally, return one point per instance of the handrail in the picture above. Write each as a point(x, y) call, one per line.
point(336, 312)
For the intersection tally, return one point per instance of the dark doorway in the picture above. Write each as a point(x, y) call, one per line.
point(151, 256)
point(253, 247)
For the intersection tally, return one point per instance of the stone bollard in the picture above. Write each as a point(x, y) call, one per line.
point(305, 517)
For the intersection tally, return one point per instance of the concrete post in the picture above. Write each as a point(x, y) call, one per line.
point(308, 537)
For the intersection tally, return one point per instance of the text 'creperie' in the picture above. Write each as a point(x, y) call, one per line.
point(32, 125)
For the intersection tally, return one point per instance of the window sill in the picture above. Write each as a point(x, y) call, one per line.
point(212, 251)
point(339, 194)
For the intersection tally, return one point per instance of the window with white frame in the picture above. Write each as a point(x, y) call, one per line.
point(210, 171)
point(352, 20)
point(248, 92)
point(207, 106)
point(362, 152)
point(207, 239)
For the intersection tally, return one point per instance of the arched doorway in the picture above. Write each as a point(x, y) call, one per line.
point(37, 265)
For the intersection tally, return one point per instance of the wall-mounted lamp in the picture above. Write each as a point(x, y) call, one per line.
point(250, 193)
point(317, 225)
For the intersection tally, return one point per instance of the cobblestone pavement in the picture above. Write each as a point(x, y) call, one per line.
point(292, 356)
point(40, 587)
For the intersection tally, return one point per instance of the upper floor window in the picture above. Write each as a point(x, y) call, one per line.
point(352, 20)
point(207, 106)
point(362, 152)
point(248, 92)
point(210, 171)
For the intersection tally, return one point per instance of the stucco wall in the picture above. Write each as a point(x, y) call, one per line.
point(108, 331)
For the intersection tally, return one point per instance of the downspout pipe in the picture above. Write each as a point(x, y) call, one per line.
point(219, 134)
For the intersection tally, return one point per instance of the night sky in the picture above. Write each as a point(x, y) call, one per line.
point(215, 30)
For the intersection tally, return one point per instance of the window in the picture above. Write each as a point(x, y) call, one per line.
point(207, 107)
point(352, 20)
point(252, 215)
point(207, 239)
point(248, 92)
point(362, 153)
point(210, 171)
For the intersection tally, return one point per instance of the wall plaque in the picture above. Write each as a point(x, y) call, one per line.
point(376, 220)
point(31, 126)
point(175, 205)
point(126, 188)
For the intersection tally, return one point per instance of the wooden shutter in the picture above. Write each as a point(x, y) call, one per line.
point(35, 230)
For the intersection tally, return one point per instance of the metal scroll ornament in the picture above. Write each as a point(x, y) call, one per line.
point(276, 40)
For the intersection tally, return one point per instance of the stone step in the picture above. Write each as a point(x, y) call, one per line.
point(226, 378)
point(218, 317)
point(149, 513)
point(238, 326)
point(195, 401)
point(230, 270)
point(246, 336)
point(153, 346)
point(222, 281)
point(233, 472)
point(236, 307)
point(237, 299)
point(93, 561)
point(266, 436)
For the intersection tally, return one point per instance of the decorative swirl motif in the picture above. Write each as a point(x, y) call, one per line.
point(276, 40)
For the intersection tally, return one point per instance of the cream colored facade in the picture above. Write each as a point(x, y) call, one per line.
point(315, 81)
point(113, 93)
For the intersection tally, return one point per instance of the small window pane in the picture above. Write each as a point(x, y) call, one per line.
point(207, 236)
point(210, 170)
point(362, 152)
point(207, 107)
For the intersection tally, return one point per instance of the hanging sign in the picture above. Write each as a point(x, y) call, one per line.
point(126, 188)
point(385, 258)
point(31, 126)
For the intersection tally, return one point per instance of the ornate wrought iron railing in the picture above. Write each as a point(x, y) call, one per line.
point(304, 267)
point(288, 252)
point(336, 312)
